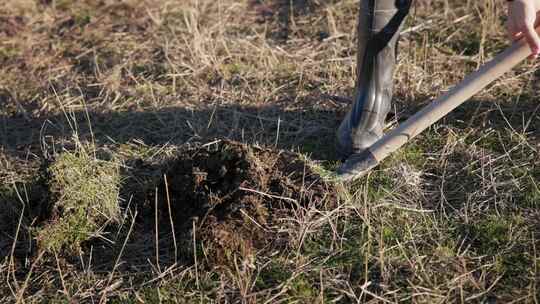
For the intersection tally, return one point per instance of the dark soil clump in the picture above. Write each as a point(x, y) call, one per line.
point(236, 194)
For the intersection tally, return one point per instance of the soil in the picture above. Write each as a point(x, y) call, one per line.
point(231, 196)
point(235, 194)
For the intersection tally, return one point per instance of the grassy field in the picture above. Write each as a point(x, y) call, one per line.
point(99, 98)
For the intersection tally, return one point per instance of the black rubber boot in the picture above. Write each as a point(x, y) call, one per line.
point(378, 30)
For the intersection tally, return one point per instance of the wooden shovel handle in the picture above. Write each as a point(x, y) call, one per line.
point(441, 106)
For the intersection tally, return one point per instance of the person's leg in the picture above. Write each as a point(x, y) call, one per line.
point(378, 31)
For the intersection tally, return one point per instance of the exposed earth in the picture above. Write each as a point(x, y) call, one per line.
point(235, 193)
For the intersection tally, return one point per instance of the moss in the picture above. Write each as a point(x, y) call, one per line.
point(389, 235)
point(513, 265)
point(231, 70)
point(7, 192)
point(495, 233)
point(8, 53)
point(63, 4)
point(395, 226)
point(285, 70)
point(275, 273)
point(302, 289)
point(350, 255)
point(176, 290)
point(531, 193)
point(445, 251)
point(380, 183)
point(83, 18)
point(85, 191)
point(532, 196)
point(412, 154)
point(318, 148)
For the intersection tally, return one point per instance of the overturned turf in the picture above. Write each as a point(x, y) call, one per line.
point(225, 199)
point(233, 195)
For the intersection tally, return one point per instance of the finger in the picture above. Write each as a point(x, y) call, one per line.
point(513, 31)
point(515, 36)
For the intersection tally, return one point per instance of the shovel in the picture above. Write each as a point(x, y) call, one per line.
point(437, 109)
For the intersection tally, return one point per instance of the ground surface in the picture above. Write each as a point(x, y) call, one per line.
point(177, 151)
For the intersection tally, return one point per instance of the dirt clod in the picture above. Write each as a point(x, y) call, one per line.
point(236, 193)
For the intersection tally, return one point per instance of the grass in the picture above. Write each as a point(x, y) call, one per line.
point(86, 194)
point(452, 217)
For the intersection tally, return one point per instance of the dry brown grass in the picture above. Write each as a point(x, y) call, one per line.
point(452, 217)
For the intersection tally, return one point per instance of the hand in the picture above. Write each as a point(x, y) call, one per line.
point(522, 21)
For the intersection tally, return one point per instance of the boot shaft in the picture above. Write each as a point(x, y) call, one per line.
point(379, 24)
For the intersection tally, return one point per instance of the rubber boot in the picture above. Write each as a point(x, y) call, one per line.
point(378, 30)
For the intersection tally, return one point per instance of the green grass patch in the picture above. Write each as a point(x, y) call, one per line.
point(276, 272)
point(86, 193)
point(531, 193)
point(494, 234)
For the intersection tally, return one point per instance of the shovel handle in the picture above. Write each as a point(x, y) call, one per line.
point(441, 106)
